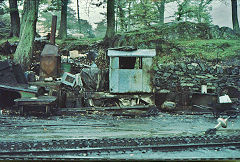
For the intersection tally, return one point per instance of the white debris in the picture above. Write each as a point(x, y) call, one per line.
point(168, 106)
point(225, 99)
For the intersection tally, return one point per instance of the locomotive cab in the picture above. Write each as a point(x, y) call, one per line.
point(131, 71)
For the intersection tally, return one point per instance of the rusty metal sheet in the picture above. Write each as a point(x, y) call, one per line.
point(49, 66)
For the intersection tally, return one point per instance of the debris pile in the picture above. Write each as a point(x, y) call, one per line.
point(182, 79)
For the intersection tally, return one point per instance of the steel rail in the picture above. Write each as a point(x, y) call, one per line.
point(93, 148)
point(104, 158)
point(122, 148)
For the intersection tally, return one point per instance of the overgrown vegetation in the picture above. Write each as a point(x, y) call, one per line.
point(209, 50)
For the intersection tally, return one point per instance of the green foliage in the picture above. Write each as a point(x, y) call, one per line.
point(101, 29)
point(121, 15)
point(46, 20)
point(144, 13)
point(196, 11)
point(3, 7)
point(4, 25)
point(10, 40)
point(80, 44)
point(209, 50)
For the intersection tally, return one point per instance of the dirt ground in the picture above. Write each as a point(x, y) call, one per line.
point(17, 128)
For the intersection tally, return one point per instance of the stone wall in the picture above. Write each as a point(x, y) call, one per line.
point(180, 80)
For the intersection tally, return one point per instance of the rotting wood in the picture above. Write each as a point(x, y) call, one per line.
point(53, 29)
point(44, 101)
point(84, 109)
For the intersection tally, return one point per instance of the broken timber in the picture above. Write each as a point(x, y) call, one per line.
point(44, 101)
point(84, 109)
point(23, 90)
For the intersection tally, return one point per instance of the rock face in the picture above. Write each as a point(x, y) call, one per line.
point(185, 78)
point(189, 30)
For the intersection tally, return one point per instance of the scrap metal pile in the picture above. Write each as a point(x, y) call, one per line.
point(93, 79)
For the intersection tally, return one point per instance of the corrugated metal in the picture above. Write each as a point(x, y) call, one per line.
point(136, 53)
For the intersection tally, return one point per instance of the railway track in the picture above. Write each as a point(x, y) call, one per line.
point(75, 149)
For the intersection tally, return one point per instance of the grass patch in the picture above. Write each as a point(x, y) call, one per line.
point(11, 40)
point(211, 49)
point(76, 41)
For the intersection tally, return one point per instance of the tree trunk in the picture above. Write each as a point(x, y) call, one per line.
point(161, 9)
point(199, 13)
point(63, 23)
point(23, 52)
point(144, 15)
point(78, 16)
point(15, 20)
point(203, 4)
point(110, 19)
point(122, 19)
point(235, 15)
point(116, 19)
point(129, 16)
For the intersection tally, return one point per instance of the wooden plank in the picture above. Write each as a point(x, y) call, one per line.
point(106, 108)
point(36, 101)
point(39, 99)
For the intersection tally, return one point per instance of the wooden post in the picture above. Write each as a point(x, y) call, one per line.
point(53, 29)
point(47, 109)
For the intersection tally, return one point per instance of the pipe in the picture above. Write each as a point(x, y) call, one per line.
point(221, 123)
